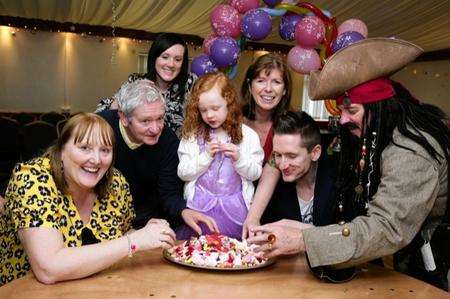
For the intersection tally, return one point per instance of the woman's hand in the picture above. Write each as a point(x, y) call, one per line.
point(156, 233)
point(230, 150)
point(249, 223)
point(52, 261)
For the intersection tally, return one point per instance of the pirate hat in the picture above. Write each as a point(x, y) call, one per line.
point(359, 70)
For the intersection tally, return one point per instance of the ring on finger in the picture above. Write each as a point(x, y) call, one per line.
point(271, 239)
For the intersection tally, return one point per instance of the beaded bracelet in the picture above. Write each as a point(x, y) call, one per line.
point(131, 247)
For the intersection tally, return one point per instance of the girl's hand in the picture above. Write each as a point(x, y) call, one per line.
point(230, 150)
point(192, 218)
point(212, 147)
point(249, 223)
point(156, 233)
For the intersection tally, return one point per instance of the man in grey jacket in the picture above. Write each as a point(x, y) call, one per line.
point(400, 171)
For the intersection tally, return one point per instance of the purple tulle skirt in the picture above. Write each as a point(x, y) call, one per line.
point(229, 216)
point(218, 194)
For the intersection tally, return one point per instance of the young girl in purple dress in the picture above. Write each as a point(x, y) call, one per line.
point(219, 156)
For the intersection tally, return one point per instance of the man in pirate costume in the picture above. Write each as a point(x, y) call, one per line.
point(396, 187)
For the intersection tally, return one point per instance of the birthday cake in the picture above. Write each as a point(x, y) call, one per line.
point(217, 251)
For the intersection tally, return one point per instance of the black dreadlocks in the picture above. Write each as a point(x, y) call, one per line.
point(411, 119)
point(402, 112)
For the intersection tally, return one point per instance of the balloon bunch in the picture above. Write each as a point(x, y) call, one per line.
point(314, 31)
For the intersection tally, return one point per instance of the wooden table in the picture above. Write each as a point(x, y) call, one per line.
point(149, 275)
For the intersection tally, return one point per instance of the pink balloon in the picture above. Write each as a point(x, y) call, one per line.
point(207, 42)
point(353, 25)
point(303, 60)
point(244, 5)
point(225, 21)
point(309, 32)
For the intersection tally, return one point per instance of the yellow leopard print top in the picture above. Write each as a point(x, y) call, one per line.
point(32, 200)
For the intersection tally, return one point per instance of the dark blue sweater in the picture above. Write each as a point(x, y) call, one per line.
point(151, 171)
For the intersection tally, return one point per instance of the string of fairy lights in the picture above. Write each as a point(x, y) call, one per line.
point(416, 71)
point(113, 32)
point(14, 30)
point(413, 70)
point(114, 38)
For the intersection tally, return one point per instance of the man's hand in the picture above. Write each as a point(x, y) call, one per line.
point(292, 223)
point(288, 238)
point(192, 218)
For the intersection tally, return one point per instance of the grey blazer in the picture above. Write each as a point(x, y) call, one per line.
point(412, 192)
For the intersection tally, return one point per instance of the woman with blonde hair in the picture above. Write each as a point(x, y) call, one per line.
point(67, 213)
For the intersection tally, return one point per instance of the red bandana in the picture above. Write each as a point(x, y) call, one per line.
point(369, 92)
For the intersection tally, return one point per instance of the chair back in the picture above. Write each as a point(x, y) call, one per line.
point(52, 117)
point(24, 118)
point(10, 133)
point(10, 149)
point(37, 136)
point(60, 126)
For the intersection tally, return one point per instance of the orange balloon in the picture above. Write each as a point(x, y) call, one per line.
point(332, 107)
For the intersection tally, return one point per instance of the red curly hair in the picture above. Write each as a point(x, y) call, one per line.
point(194, 124)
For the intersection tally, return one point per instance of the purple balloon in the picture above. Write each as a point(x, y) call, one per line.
point(287, 25)
point(272, 2)
point(256, 24)
point(202, 64)
point(224, 51)
point(345, 39)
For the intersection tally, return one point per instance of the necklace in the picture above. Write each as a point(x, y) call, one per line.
point(359, 189)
